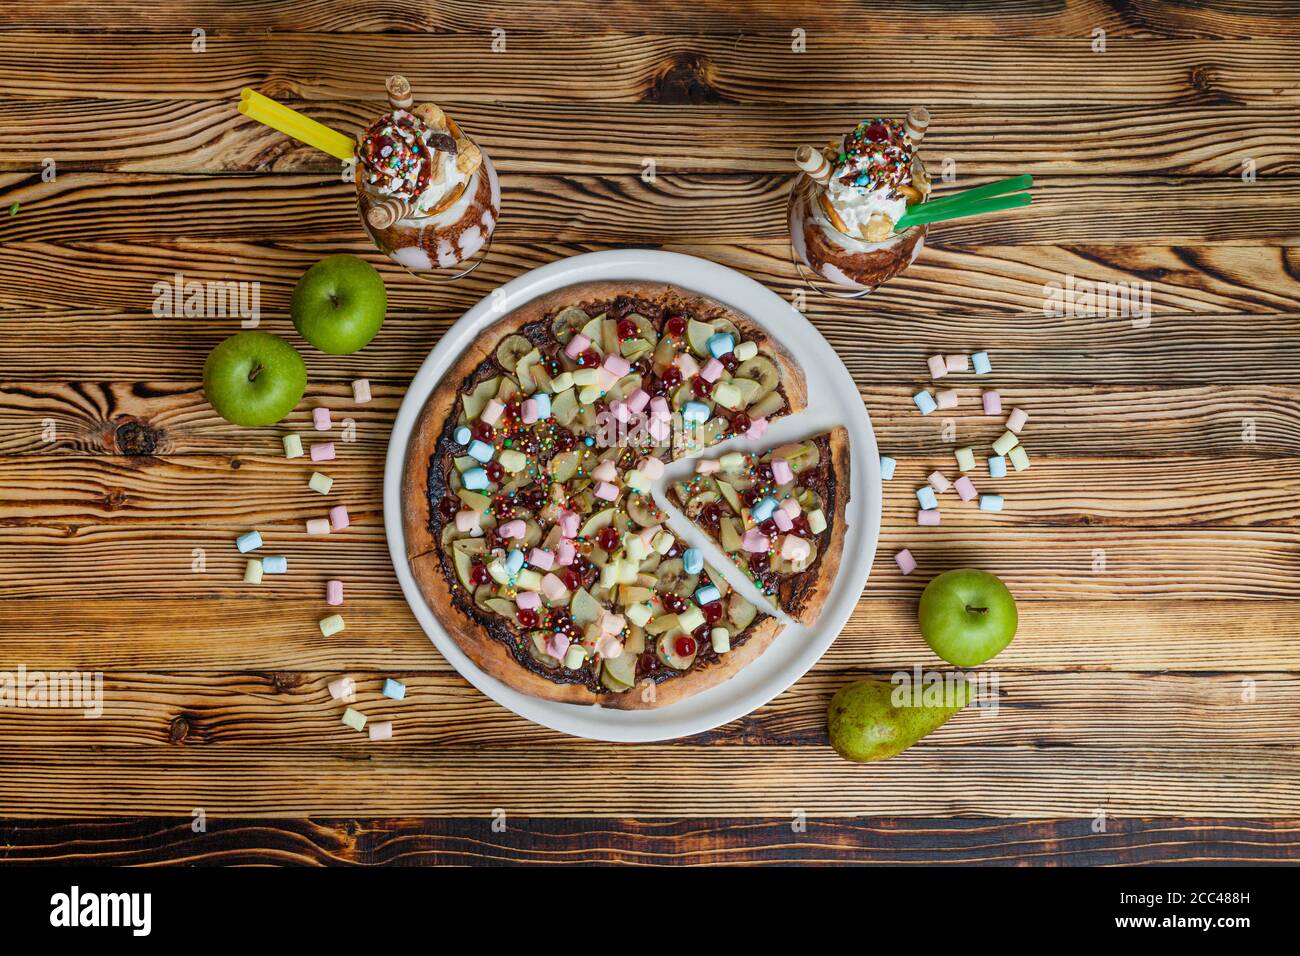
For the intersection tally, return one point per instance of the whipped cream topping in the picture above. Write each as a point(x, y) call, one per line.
point(403, 156)
point(875, 162)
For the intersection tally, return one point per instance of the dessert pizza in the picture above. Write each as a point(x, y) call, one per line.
point(530, 524)
point(778, 515)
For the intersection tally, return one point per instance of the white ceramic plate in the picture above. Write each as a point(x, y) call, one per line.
point(832, 400)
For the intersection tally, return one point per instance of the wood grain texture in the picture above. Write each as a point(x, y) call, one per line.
point(1152, 546)
point(706, 841)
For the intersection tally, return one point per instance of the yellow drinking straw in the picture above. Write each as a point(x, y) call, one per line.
point(292, 123)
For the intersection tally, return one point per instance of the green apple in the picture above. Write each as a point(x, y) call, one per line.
point(967, 616)
point(254, 378)
point(339, 304)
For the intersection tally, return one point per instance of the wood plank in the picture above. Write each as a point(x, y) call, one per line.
point(209, 136)
point(1123, 711)
point(105, 560)
point(653, 780)
point(143, 419)
point(970, 286)
point(107, 214)
point(203, 492)
point(697, 842)
point(639, 67)
point(48, 631)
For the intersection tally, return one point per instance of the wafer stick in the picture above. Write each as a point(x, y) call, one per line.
point(918, 121)
point(399, 92)
point(813, 162)
point(388, 210)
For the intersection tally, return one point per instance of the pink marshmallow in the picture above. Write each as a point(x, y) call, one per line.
point(781, 471)
point(965, 488)
point(565, 552)
point(528, 411)
point(568, 522)
point(711, 371)
point(938, 368)
point(660, 430)
point(992, 403)
point(783, 520)
point(757, 428)
point(605, 491)
point(710, 467)
point(492, 411)
point(652, 468)
point(616, 365)
point(755, 541)
point(322, 451)
point(1016, 420)
point(794, 548)
point(528, 600)
point(956, 363)
point(334, 593)
point(939, 482)
point(605, 471)
point(659, 407)
point(557, 646)
point(339, 518)
point(906, 563)
point(791, 507)
point(361, 391)
point(609, 647)
point(467, 521)
point(513, 529)
point(577, 345)
point(320, 417)
point(686, 362)
point(540, 558)
point(553, 587)
point(946, 398)
point(928, 518)
point(611, 623)
point(638, 400)
point(620, 410)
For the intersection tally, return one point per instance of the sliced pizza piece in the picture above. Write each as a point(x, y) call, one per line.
point(778, 515)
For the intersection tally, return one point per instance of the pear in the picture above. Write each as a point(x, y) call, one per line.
point(865, 725)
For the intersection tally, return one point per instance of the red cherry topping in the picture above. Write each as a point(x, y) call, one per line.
point(494, 470)
point(674, 603)
point(702, 387)
point(672, 376)
point(607, 539)
point(758, 562)
point(527, 617)
point(729, 361)
point(588, 358)
point(572, 579)
point(448, 507)
point(675, 325)
point(483, 431)
point(627, 329)
point(684, 645)
point(740, 423)
point(478, 575)
point(711, 514)
point(712, 611)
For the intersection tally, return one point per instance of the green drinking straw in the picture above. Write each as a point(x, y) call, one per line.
point(930, 212)
point(988, 190)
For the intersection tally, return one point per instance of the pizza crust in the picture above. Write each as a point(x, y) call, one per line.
point(424, 549)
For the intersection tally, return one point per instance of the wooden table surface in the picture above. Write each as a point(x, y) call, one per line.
point(1150, 706)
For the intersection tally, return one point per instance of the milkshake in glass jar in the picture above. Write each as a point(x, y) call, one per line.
point(844, 209)
point(428, 196)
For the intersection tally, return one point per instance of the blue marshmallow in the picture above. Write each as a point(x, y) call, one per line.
point(514, 561)
point(925, 495)
point(394, 689)
point(981, 363)
point(543, 405)
point(695, 412)
point(925, 402)
point(249, 542)
point(475, 479)
point(990, 502)
point(275, 565)
point(480, 451)
point(763, 509)
point(998, 466)
point(707, 594)
point(721, 344)
point(462, 435)
point(887, 466)
point(693, 560)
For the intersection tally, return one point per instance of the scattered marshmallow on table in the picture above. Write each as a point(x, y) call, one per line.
point(394, 689)
point(331, 625)
point(1019, 457)
point(965, 458)
point(334, 593)
point(344, 689)
point(946, 398)
point(965, 488)
point(354, 719)
point(925, 402)
point(292, 445)
point(928, 518)
point(990, 502)
point(322, 451)
point(887, 466)
point(250, 541)
point(361, 391)
point(938, 367)
point(1005, 443)
point(1016, 420)
point(939, 482)
point(318, 525)
point(925, 495)
point(275, 564)
point(253, 571)
point(380, 731)
point(992, 403)
point(997, 467)
point(906, 563)
point(956, 363)
point(321, 483)
point(339, 518)
point(981, 362)
point(320, 417)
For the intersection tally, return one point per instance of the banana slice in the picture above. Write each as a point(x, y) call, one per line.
point(759, 369)
point(567, 322)
point(511, 350)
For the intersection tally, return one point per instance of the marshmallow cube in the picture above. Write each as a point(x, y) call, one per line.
point(925, 495)
point(946, 398)
point(1016, 420)
point(1019, 457)
point(320, 417)
point(1005, 443)
point(361, 391)
point(938, 367)
point(906, 563)
point(939, 482)
point(887, 466)
point(956, 363)
point(965, 488)
point(928, 518)
point(981, 362)
point(990, 502)
point(992, 403)
point(925, 402)
point(965, 459)
point(394, 689)
point(997, 467)
point(334, 593)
